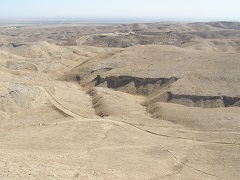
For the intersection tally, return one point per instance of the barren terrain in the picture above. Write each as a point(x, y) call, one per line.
point(120, 101)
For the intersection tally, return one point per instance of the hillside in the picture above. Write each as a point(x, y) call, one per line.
point(120, 101)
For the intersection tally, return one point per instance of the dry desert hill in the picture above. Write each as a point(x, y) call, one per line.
point(156, 101)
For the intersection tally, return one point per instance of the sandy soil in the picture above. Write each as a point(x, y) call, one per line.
point(75, 105)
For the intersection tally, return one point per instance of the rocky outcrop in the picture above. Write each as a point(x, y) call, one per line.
point(133, 85)
point(158, 90)
point(200, 101)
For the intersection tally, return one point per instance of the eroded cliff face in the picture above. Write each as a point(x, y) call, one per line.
point(159, 90)
point(134, 85)
point(89, 112)
point(203, 101)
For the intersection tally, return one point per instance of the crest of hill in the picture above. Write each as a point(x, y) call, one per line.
point(200, 72)
point(6, 55)
point(31, 50)
point(225, 25)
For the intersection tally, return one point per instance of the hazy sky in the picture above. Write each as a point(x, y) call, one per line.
point(161, 9)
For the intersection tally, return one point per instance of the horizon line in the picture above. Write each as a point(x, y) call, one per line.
point(89, 19)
